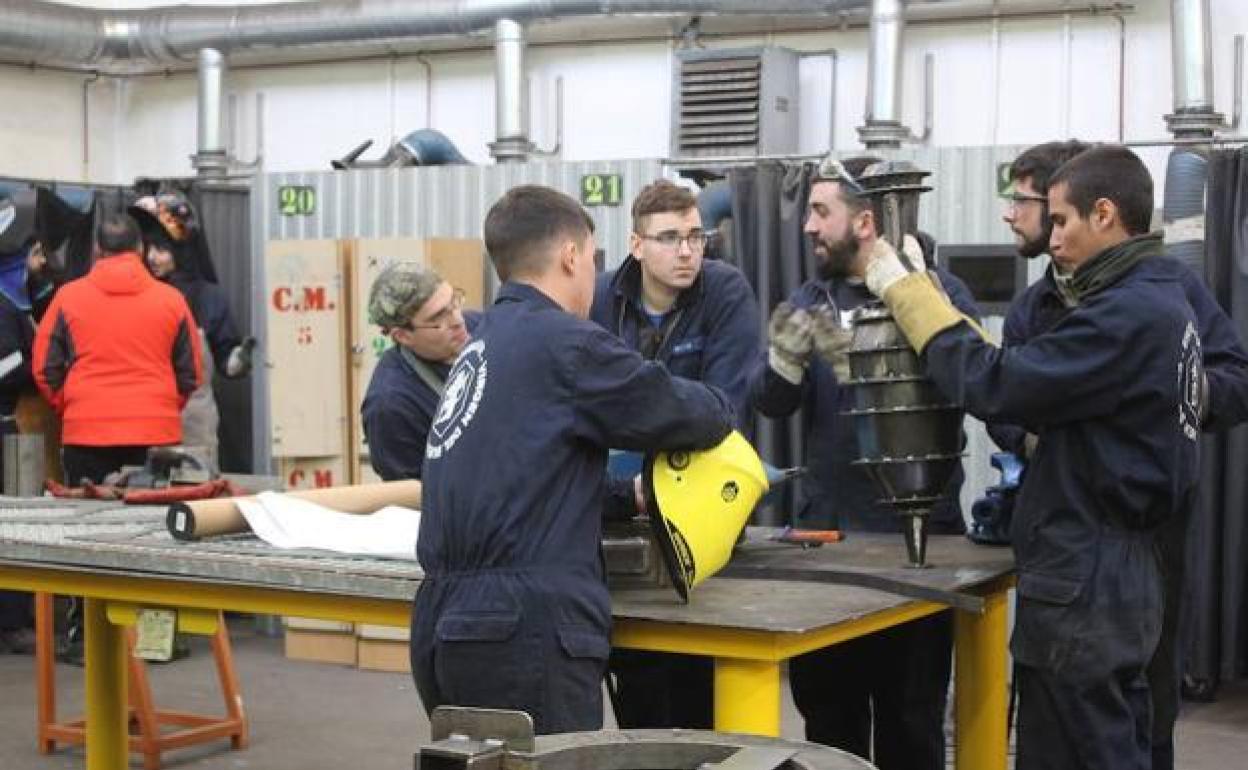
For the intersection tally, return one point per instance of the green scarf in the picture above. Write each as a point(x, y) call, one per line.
point(1106, 268)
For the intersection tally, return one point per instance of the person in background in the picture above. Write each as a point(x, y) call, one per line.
point(176, 252)
point(17, 334)
point(424, 316)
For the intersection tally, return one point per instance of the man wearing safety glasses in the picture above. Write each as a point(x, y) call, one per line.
point(1040, 308)
point(424, 316)
point(700, 320)
point(886, 689)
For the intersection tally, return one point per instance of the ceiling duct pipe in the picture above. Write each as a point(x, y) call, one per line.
point(883, 128)
point(1191, 51)
point(163, 37)
point(511, 141)
point(210, 158)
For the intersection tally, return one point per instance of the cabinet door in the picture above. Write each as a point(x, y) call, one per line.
point(306, 349)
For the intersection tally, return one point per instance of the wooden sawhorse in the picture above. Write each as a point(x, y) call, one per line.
point(147, 721)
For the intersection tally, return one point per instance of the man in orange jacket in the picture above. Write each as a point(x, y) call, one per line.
point(117, 355)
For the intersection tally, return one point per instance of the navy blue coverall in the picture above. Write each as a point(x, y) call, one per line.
point(1039, 308)
point(899, 676)
point(1113, 392)
point(513, 611)
point(712, 334)
point(17, 335)
point(397, 410)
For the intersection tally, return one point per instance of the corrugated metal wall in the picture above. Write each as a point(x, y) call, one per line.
point(440, 201)
point(451, 201)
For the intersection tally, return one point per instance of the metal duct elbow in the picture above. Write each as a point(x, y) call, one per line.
point(430, 147)
point(1183, 208)
point(715, 204)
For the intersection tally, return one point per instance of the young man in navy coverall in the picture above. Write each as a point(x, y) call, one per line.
point(1046, 302)
point(514, 612)
point(889, 686)
point(699, 319)
point(1114, 391)
point(424, 316)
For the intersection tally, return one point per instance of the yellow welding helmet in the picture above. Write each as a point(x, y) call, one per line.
point(699, 501)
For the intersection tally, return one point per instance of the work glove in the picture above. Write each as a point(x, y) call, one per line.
point(790, 342)
point(239, 362)
point(832, 341)
point(886, 267)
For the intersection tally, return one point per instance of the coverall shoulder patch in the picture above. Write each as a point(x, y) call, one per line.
point(465, 386)
point(1191, 383)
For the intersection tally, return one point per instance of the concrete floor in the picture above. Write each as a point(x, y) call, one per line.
point(312, 716)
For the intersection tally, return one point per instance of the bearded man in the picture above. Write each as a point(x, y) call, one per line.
point(889, 685)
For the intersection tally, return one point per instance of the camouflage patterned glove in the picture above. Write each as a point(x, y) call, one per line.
point(832, 341)
point(789, 336)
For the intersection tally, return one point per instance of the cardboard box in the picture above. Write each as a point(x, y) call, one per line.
point(321, 646)
point(384, 655)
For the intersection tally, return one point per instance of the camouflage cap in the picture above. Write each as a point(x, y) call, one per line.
point(399, 292)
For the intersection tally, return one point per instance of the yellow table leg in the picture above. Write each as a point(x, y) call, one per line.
point(107, 743)
point(747, 696)
point(981, 689)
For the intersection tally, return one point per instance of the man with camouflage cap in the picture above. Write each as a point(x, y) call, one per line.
point(424, 316)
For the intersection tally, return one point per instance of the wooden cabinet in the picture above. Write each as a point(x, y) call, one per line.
point(322, 350)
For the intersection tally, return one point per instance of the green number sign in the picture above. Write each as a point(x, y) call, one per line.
point(602, 189)
point(1003, 178)
point(296, 200)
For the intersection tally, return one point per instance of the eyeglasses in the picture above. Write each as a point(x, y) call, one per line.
point(440, 319)
point(832, 170)
point(670, 239)
point(1015, 201)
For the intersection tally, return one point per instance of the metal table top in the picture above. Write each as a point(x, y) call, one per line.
point(767, 587)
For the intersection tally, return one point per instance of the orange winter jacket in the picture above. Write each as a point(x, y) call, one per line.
point(117, 355)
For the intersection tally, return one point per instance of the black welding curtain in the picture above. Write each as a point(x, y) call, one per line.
point(768, 206)
point(1217, 561)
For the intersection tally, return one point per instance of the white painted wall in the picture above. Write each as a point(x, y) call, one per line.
point(1018, 82)
point(41, 126)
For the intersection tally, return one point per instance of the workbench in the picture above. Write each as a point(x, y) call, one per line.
point(776, 602)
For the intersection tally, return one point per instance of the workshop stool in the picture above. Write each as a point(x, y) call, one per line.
point(147, 721)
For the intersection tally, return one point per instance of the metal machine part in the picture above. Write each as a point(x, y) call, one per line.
point(489, 739)
point(909, 434)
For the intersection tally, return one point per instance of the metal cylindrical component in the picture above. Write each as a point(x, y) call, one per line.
point(882, 127)
point(509, 103)
point(211, 86)
point(884, 61)
point(1191, 48)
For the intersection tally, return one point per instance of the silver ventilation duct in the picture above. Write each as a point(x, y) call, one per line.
point(119, 42)
point(511, 143)
point(1191, 49)
point(210, 158)
point(883, 128)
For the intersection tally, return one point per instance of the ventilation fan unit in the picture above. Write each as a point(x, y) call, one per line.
point(734, 102)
